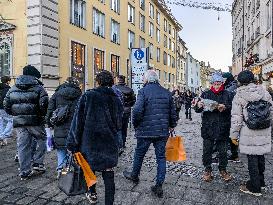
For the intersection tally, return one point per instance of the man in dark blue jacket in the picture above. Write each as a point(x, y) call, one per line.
point(153, 117)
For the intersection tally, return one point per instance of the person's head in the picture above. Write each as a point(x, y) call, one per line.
point(150, 77)
point(228, 77)
point(217, 80)
point(6, 80)
point(245, 77)
point(177, 92)
point(105, 78)
point(72, 80)
point(32, 71)
point(121, 79)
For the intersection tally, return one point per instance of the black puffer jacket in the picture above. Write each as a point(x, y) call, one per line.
point(216, 124)
point(65, 94)
point(94, 128)
point(27, 102)
point(4, 88)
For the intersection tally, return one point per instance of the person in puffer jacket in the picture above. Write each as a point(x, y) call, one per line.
point(254, 143)
point(66, 94)
point(27, 102)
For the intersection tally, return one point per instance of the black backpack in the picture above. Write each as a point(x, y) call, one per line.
point(60, 115)
point(258, 113)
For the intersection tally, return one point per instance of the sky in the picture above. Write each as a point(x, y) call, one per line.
point(207, 39)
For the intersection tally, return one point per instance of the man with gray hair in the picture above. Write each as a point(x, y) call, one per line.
point(154, 117)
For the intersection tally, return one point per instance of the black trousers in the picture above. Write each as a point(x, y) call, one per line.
point(233, 149)
point(109, 183)
point(125, 121)
point(188, 111)
point(221, 147)
point(256, 168)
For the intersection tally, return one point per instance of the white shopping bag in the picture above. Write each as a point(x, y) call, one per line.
point(49, 140)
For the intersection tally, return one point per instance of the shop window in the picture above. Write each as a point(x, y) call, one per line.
point(115, 65)
point(78, 62)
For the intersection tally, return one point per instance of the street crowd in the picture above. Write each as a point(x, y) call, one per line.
point(236, 116)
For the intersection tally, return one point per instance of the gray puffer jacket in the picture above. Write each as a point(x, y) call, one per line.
point(252, 142)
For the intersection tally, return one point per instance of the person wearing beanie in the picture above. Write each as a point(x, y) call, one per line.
point(215, 126)
point(27, 102)
point(253, 141)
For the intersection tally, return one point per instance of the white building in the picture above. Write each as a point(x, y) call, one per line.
point(181, 62)
point(192, 73)
point(252, 36)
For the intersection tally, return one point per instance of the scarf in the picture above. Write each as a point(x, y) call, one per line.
point(217, 91)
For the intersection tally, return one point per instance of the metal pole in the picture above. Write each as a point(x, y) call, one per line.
point(243, 39)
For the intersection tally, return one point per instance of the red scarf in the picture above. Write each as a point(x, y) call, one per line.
point(217, 91)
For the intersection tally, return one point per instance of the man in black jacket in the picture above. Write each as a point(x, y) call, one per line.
point(129, 99)
point(27, 102)
point(5, 119)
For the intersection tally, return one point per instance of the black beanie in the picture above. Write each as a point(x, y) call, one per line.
point(31, 70)
point(245, 77)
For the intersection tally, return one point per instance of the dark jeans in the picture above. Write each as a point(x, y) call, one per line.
point(142, 147)
point(125, 121)
point(188, 112)
point(233, 149)
point(256, 167)
point(109, 183)
point(221, 147)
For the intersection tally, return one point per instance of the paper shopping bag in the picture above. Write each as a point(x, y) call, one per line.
point(89, 175)
point(175, 151)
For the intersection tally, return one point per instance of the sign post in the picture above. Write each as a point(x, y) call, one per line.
point(139, 64)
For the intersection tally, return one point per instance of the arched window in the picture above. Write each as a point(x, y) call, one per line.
point(5, 57)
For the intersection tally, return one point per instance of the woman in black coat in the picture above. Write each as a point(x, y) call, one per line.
point(66, 94)
point(188, 100)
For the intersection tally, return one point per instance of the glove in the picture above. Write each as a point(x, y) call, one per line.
point(235, 142)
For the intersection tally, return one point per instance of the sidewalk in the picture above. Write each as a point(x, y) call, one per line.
point(183, 183)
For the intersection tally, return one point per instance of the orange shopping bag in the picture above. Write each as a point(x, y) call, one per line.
point(175, 151)
point(89, 175)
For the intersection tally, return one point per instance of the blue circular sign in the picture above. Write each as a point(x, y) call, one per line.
point(139, 54)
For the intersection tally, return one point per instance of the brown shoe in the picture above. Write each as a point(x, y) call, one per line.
point(225, 176)
point(207, 177)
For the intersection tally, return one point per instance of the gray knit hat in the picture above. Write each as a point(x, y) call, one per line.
point(217, 77)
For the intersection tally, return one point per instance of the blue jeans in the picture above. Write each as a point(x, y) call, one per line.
point(6, 125)
point(28, 149)
point(62, 158)
point(142, 147)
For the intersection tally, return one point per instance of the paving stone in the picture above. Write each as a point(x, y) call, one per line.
point(198, 195)
point(39, 202)
point(3, 195)
point(26, 200)
point(172, 201)
point(60, 197)
point(223, 198)
point(12, 198)
point(149, 200)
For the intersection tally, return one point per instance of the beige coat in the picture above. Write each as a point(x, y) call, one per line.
point(252, 142)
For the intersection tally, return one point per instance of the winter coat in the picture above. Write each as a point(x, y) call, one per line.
point(232, 87)
point(4, 88)
point(177, 102)
point(27, 102)
point(154, 112)
point(94, 127)
point(188, 100)
point(129, 97)
point(252, 142)
point(65, 94)
point(216, 124)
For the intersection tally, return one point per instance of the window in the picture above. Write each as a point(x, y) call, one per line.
point(169, 60)
point(165, 41)
point(170, 44)
point(169, 78)
point(77, 13)
point(131, 14)
point(151, 11)
point(268, 15)
point(173, 78)
point(142, 4)
point(5, 55)
point(151, 29)
point(158, 54)
point(98, 60)
point(78, 62)
point(170, 29)
point(151, 50)
point(173, 62)
point(98, 23)
point(131, 39)
point(173, 33)
point(142, 22)
point(165, 58)
point(165, 25)
point(141, 42)
point(115, 32)
point(157, 17)
point(115, 65)
point(158, 35)
point(191, 81)
point(115, 5)
point(165, 76)
point(173, 46)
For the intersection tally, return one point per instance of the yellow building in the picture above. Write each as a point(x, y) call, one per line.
point(80, 38)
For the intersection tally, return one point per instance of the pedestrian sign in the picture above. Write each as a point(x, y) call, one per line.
point(139, 54)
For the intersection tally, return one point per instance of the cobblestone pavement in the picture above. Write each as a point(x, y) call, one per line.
point(183, 184)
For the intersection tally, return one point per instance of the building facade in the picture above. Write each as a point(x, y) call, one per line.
point(252, 36)
point(205, 75)
point(81, 38)
point(192, 73)
point(181, 63)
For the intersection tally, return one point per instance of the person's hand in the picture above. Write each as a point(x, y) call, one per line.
point(200, 104)
point(221, 107)
point(235, 142)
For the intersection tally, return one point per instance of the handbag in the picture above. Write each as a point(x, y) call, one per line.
point(72, 181)
point(60, 115)
point(175, 151)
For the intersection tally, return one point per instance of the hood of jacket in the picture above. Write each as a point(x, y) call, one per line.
point(69, 91)
point(251, 92)
point(105, 90)
point(25, 82)
point(4, 86)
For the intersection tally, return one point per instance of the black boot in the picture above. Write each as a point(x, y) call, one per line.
point(157, 190)
point(128, 175)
